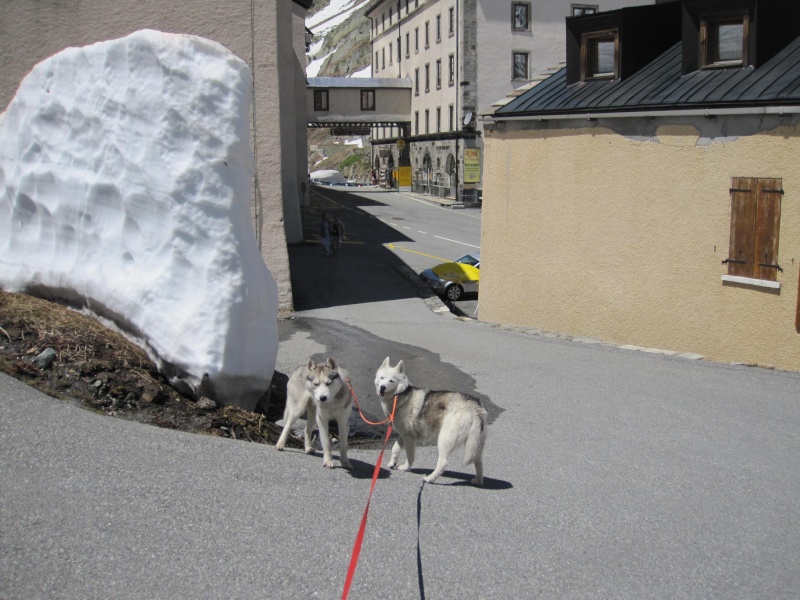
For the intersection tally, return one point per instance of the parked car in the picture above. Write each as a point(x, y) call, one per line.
point(453, 279)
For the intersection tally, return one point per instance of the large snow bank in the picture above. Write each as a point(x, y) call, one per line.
point(125, 174)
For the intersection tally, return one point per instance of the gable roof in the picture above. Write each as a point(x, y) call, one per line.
point(661, 86)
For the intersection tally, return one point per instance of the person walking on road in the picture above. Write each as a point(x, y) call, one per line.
point(337, 234)
point(325, 234)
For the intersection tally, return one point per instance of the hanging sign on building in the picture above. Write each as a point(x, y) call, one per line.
point(472, 165)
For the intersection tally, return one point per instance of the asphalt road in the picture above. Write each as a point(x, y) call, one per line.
point(611, 473)
point(419, 232)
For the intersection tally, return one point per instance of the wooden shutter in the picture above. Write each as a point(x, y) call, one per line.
point(743, 224)
point(755, 225)
point(797, 315)
point(768, 219)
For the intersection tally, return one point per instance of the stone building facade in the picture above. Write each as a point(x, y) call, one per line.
point(460, 56)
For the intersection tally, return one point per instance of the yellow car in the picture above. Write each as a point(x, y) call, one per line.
point(453, 279)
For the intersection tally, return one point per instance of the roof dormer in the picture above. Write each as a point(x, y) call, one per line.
point(616, 44)
point(720, 34)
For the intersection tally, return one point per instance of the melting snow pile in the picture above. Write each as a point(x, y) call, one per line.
point(125, 174)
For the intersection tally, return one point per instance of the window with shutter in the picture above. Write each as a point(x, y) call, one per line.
point(755, 226)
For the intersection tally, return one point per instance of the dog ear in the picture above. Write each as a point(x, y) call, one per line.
point(310, 364)
point(385, 363)
point(400, 368)
point(331, 363)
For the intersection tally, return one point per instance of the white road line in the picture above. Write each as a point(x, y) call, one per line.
point(456, 242)
point(428, 203)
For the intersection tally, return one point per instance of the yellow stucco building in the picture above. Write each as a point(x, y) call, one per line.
point(660, 208)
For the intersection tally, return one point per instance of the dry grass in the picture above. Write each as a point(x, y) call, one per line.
point(101, 370)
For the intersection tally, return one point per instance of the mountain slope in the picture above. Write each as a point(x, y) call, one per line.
point(340, 47)
point(341, 42)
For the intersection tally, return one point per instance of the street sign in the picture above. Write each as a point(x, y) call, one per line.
point(401, 144)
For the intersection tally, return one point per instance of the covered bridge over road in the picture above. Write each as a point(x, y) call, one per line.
point(364, 106)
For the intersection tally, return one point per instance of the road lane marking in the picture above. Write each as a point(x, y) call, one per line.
point(393, 247)
point(457, 242)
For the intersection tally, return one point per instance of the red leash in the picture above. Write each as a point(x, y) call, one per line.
point(351, 570)
point(358, 406)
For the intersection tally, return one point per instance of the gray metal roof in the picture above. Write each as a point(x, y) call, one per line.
point(661, 86)
point(358, 82)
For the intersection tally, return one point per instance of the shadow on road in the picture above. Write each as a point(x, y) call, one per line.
point(364, 271)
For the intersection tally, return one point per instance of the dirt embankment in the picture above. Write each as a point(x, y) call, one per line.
point(100, 369)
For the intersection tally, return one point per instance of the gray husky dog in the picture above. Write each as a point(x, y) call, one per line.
point(453, 418)
point(320, 391)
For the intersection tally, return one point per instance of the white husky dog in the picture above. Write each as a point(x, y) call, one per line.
point(321, 392)
point(453, 418)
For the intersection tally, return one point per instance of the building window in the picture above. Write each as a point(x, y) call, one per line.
point(408, 45)
point(578, 10)
point(399, 47)
point(427, 34)
point(451, 76)
point(416, 122)
point(450, 117)
point(520, 16)
point(438, 28)
point(427, 120)
point(391, 53)
point(600, 55)
point(390, 17)
point(439, 74)
point(367, 99)
point(416, 40)
point(452, 26)
point(755, 223)
point(438, 119)
point(321, 100)
point(416, 81)
point(406, 7)
point(723, 40)
point(383, 58)
point(427, 77)
point(377, 62)
point(520, 65)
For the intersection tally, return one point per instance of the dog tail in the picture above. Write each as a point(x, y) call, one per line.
point(476, 438)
